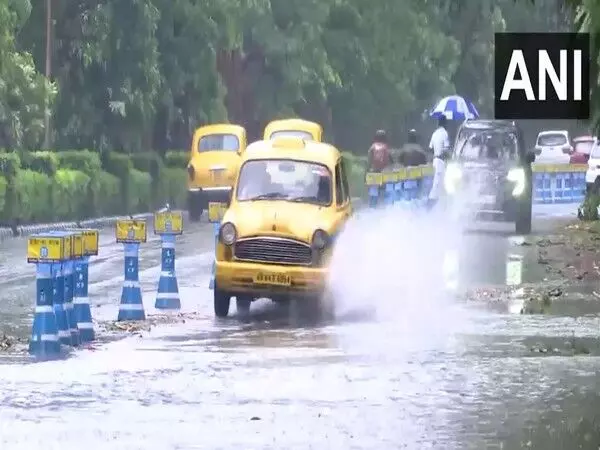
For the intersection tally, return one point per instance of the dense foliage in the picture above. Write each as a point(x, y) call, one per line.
point(141, 74)
point(47, 186)
point(135, 77)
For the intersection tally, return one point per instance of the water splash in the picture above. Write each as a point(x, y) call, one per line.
point(397, 263)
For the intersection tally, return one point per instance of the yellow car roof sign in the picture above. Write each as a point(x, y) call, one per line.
point(289, 142)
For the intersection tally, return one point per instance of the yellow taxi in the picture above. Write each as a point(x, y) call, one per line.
point(290, 200)
point(215, 157)
point(301, 128)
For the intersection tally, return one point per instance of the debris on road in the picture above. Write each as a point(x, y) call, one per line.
point(138, 327)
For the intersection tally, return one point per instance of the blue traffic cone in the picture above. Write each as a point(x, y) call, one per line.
point(58, 300)
point(44, 334)
point(131, 306)
point(167, 296)
point(72, 324)
point(81, 301)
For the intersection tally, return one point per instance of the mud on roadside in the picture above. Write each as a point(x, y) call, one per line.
point(106, 331)
point(570, 252)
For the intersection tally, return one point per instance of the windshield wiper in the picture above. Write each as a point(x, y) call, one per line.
point(270, 195)
point(306, 198)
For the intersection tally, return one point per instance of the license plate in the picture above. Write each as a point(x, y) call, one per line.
point(217, 175)
point(276, 279)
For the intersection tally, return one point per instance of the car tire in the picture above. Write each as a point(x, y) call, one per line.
point(242, 304)
point(596, 187)
point(523, 221)
point(195, 206)
point(221, 302)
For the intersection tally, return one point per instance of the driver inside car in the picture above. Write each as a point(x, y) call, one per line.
point(257, 181)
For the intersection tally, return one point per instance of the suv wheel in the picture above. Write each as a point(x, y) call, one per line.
point(221, 302)
point(523, 221)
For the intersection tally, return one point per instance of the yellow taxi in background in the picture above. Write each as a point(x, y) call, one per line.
point(290, 200)
point(215, 157)
point(304, 129)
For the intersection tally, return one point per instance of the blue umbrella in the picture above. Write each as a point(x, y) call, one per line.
point(454, 107)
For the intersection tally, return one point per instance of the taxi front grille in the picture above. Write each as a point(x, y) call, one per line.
point(272, 250)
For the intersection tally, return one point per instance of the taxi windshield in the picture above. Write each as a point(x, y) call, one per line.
point(285, 180)
point(487, 145)
point(292, 133)
point(224, 142)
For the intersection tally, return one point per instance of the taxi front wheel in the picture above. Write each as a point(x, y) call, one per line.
point(221, 302)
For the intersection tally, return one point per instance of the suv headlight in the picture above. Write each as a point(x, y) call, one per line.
point(517, 176)
point(320, 239)
point(452, 178)
point(228, 233)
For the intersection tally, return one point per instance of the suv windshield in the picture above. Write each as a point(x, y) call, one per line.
point(284, 179)
point(553, 139)
point(212, 142)
point(292, 133)
point(492, 144)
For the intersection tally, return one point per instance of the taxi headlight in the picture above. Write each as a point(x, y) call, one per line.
point(517, 176)
point(320, 239)
point(452, 177)
point(228, 233)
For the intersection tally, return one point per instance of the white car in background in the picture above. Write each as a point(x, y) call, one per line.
point(592, 176)
point(553, 147)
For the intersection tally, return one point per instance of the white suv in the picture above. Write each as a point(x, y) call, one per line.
point(553, 147)
point(592, 176)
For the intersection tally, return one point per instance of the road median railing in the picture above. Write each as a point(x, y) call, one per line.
point(558, 183)
point(405, 185)
point(552, 184)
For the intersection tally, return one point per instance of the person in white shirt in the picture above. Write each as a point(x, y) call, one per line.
point(439, 170)
point(440, 141)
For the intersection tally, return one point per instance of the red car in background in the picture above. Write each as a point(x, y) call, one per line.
point(582, 146)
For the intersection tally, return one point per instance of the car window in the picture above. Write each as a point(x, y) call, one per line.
point(584, 147)
point(595, 153)
point(340, 195)
point(553, 139)
point(214, 142)
point(285, 180)
point(292, 133)
point(345, 180)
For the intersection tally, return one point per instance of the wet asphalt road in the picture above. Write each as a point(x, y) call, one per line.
point(413, 366)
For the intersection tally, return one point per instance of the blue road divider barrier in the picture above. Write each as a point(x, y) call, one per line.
point(131, 233)
point(168, 225)
point(216, 211)
point(552, 183)
point(406, 185)
point(558, 183)
point(58, 255)
point(63, 315)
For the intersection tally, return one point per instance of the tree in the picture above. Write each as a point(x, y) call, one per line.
point(24, 93)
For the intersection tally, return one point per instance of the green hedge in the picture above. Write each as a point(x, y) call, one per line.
point(46, 186)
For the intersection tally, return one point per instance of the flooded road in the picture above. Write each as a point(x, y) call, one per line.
point(416, 368)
